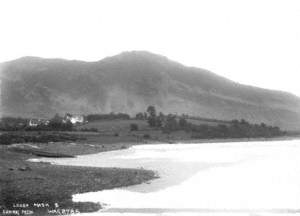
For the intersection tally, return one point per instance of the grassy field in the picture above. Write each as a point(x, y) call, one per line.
point(116, 131)
point(120, 126)
point(124, 125)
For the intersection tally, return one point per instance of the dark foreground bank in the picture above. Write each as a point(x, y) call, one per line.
point(28, 188)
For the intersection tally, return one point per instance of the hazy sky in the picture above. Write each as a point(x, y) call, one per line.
point(255, 42)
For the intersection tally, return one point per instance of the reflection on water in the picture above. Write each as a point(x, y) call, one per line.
point(256, 178)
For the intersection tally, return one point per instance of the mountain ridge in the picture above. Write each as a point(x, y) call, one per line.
point(131, 81)
point(26, 58)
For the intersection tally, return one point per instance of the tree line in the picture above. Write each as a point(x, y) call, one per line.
point(231, 129)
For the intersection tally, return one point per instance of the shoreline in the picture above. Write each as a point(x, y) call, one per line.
point(47, 189)
point(222, 140)
point(22, 181)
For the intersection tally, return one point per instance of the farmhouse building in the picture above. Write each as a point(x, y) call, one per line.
point(74, 119)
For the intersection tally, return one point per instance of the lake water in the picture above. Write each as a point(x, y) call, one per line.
point(254, 178)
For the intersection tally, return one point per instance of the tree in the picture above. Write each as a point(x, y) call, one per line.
point(160, 119)
point(57, 118)
point(151, 111)
point(134, 127)
point(151, 116)
point(182, 123)
point(139, 116)
point(171, 123)
point(56, 123)
point(145, 115)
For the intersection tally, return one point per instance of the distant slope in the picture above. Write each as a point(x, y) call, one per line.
point(129, 82)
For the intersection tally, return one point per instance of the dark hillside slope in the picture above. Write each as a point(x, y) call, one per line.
point(129, 82)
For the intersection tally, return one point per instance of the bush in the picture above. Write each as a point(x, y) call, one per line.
point(146, 136)
point(134, 127)
point(171, 124)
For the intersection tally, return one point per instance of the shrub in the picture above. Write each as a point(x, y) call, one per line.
point(146, 136)
point(134, 127)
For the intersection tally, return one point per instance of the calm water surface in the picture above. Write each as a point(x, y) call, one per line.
point(254, 178)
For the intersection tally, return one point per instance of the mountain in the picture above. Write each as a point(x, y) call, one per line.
point(131, 81)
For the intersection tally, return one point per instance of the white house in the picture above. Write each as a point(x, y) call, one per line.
point(74, 119)
point(37, 122)
point(33, 122)
point(77, 119)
